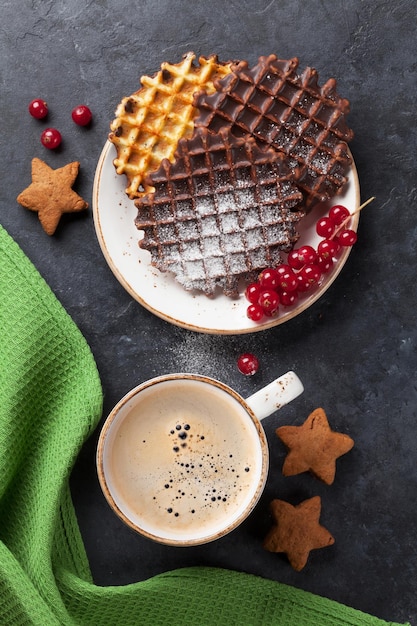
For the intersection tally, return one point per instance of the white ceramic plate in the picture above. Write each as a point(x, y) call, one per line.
point(114, 216)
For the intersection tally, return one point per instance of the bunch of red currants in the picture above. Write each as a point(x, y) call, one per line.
point(305, 267)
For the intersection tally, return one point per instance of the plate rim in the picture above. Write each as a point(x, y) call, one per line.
point(257, 327)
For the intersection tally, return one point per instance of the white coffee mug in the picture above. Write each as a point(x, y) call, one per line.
point(183, 458)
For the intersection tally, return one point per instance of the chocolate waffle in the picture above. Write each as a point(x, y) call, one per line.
point(150, 122)
point(289, 112)
point(222, 211)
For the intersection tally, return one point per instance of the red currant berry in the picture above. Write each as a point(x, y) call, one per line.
point(287, 280)
point(38, 108)
point(252, 292)
point(325, 227)
point(51, 138)
point(248, 364)
point(311, 273)
point(303, 283)
point(325, 263)
point(268, 278)
point(255, 312)
point(298, 257)
point(294, 261)
point(269, 301)
point(347, 237)
point(327, 248)
point(307, 255)
point(338, 213)
point(82, 115)
point(287, 298)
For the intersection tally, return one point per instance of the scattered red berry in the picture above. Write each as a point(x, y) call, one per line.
point(82, 115)
point(51, 138)
point(38, 108)
point(248, 364)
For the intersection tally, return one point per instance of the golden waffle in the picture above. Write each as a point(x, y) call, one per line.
point(290, 112)
point(222, 211)
point(150, 122)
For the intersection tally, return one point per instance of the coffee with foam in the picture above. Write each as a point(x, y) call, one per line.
point(184, 460)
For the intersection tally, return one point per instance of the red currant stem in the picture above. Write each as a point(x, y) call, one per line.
point(347, 220)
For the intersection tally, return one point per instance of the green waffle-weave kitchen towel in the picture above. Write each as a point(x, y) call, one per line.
point(50, 402)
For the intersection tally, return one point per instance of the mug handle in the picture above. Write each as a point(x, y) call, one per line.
point(275, 395)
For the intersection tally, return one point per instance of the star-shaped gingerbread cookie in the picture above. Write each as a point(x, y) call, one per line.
point(297, 530)
point(313, 447)
point(50, 193)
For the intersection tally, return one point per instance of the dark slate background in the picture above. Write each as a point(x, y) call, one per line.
point(354, 349)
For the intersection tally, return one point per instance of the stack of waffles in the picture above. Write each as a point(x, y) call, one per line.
point(223, 160)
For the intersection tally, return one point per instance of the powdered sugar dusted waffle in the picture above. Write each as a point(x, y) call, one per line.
point(287, 110)
point(150, 122)
point(223, 210)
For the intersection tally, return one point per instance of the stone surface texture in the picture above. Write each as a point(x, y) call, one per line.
point(354, 349)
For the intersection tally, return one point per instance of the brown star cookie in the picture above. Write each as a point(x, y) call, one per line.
point(297, 530)
point(313, 447)
point(50, 193)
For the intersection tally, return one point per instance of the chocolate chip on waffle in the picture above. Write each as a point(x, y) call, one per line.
point(150, 122)
point(222, 211)
point(290, 112)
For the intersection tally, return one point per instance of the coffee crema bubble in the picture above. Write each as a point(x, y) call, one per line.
point(185, 461)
